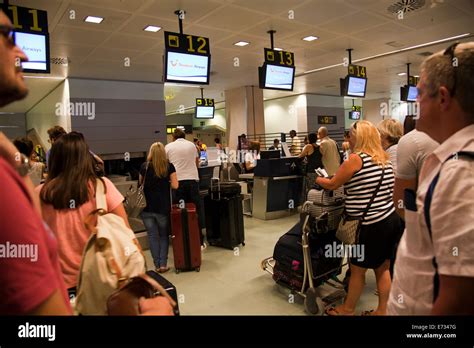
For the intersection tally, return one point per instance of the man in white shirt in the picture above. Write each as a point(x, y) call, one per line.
point(183, 155)
point(295, 143)
point(434, 270)
point(329, 151)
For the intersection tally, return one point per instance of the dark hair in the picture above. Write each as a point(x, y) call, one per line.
point(293, 131)
point(217, 140)
point(276, 141)
point(243, 136)
point(70, 172)
point(178, 133)
point(254, 146)
point(56, 132)
point(409, 124)
point(195, 140)
point(347, 134)
point(312, 138)
point(24, 145)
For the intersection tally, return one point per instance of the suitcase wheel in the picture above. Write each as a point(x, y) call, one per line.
point(176, 271)
point(198, 269)
point(243, 243)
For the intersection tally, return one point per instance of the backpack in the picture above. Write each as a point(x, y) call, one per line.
point(111, 256)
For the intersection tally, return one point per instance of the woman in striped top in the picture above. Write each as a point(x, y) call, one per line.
point(361, 174)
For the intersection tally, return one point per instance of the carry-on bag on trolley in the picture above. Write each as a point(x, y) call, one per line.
point(288, 254)
point(224, 215)
point(186, 238)
point(327, 208)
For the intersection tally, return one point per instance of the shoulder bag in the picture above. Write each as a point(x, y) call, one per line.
point(349, 227)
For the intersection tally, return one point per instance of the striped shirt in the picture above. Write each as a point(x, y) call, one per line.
point(361, 187)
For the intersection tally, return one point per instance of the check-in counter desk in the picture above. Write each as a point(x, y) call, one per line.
point(277, 187)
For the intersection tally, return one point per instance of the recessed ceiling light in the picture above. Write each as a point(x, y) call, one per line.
point(92, 19)
point(278, 49)
point(402, 74)
point(310, 38)
point(152, 28)
point(241, 43)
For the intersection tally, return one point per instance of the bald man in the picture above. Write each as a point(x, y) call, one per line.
point(329, 152)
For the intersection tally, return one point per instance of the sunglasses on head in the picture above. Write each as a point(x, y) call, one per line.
point(450, 53)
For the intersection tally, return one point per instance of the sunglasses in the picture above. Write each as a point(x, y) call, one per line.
point(450, 53)
point(8, 33)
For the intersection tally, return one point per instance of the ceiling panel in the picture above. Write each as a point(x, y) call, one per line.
point(68, 35)
point(132, 42)
point(136, 25)
point(284, 28)
point(118, 5)
point(271, 7)
point(224, 18)
point(112, 19)
point(194, 9)
point(317, 12)
point(354, 23)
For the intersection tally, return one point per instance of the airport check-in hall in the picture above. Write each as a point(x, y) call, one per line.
point(238, 157)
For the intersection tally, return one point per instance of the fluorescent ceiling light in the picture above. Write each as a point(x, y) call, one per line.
point(401, 73)
point(278, 49)
point(417, 76)
point(310, 38)
point(387, 53)
point(241, 43)
point(152, 28)
point(92, 19)
point(44, 77)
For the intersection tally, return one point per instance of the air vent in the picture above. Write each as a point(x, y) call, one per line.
point(60, 61)
point(406, 6)
point(425, 54)
point(395, 44)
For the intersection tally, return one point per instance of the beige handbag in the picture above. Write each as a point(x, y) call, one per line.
point(111, 256)
point(349, 227)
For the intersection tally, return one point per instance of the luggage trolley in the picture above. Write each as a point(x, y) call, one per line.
point(314, 303)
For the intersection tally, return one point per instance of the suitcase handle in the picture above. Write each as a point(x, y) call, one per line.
point(218, 188)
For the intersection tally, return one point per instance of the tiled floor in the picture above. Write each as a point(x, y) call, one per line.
point(232, 283)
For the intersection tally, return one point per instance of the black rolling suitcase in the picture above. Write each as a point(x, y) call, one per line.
point(224, 215)
point(288, 254)
point(168, 286)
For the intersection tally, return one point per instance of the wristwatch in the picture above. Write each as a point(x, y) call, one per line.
point(23, 167)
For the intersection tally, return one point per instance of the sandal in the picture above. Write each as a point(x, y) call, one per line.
point(336, 313)
point(163, 269)
point(368, 313)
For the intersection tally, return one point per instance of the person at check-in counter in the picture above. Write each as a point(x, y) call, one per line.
point(314, 161)
point(329, 151)
point(252, 156)
point(276, 145)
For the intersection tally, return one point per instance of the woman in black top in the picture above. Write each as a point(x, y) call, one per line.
point(314, 161)
point(158, 175)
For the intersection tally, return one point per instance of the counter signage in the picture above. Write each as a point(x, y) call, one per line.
point(189, 44)
point(279, 57)
point(327, 120)
point(413, 80)
point(27, 20)
point(357, 71)
point(204, 102)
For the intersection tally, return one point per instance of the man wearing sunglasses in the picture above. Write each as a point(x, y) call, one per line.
point(12, 85)
point(434, 271)
point(30, 285)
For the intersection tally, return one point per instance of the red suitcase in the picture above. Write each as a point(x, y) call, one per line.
point(186, 238)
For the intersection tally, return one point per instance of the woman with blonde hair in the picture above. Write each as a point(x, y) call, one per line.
point(367, 173)
point(390, 133)
point(157, 176)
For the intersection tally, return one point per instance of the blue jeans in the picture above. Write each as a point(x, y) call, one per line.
point(157, 226)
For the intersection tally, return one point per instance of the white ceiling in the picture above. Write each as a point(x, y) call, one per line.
point(98, 51)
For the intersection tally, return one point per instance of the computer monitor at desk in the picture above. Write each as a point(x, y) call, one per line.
point(267, 154)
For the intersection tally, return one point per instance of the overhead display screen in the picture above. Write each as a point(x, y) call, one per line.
point(356, 86)
point(36, 48)
point(204, 112)
point(187, 58)
point(354, 115)
point(181, 67)
point(412, 93)
point(279, 77)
